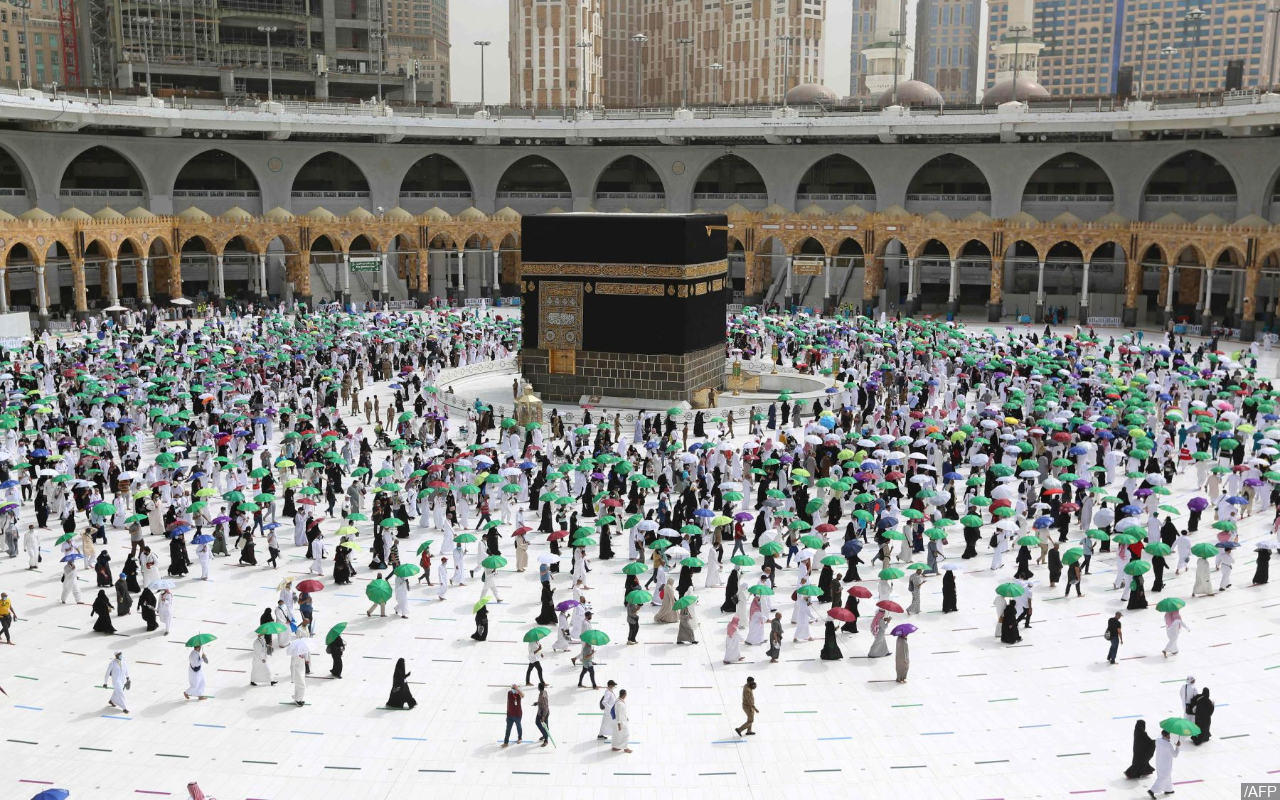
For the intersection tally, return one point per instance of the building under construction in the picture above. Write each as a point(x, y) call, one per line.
point(303, 48)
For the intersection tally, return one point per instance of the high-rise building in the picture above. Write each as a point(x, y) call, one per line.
point(1087, 43)
point(417, 41)
point(861, 37)
point(706, 51)
point(946, 52)
point(556, 51)
point(306, 48)
point(44, 50)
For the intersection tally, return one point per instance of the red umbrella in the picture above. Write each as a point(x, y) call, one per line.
point(310, 586)
point(612, 502)
point(1061, 436)
point(521, 531)
point(1069, 507)
point(158, 484)
point(894, 476)
point(860, 591)
point(306, 501)
point(842, 614)
point(825, 528)
point(1051, 491)
point(889, 605)
point(557, 536)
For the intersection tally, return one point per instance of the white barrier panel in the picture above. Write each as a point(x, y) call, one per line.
point(15, 325)
point(1104, 322)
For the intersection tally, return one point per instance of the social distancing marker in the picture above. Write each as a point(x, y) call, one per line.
point(1037, 725)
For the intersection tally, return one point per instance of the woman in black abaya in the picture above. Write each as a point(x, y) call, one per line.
point(400, 694)
point(1009, 624)
point(831, 650)
point(102, 610)
point(147, 608)
point(948, 592)
point(1144, 747)
point(730, 592)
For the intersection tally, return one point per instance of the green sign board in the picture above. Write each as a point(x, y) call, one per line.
point(366, 264)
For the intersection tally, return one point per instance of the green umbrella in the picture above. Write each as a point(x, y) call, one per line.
point(1028, 540)
point(686, 601)
point(595, 638)
point(891, 574)
point(406, 570)
point(971, 521)
point(760, 589)
point(66, 537)
point(771, 549)
point(1159, 549)
point(634, 568)
point(638, 597)
point(271, 628)
point(1137, 568)
point(809, 590)
point(465, 538)
point(424, 546)
point(832, 561)
point(536, 634)
point(1010, 590)
point(200, 639)
point(378, 591)
point(1204, 550)
point(1171, 604)
point(692, 561)
point(1179, 726)
point(335, 632)
point(742, 560)
point(1072, 556)
point(494, 562)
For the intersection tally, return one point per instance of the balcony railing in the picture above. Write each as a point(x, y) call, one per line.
point(630, 196)
point(949, 198)
point(730, 196)
point(534, 195)
point(1189, 198)
point(233, 193)
point(1068, 198)
point(100, 192)
point(434, 193)
point(330, 195)
point(838, 197)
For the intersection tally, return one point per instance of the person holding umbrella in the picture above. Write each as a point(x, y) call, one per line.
point(260, 671)
point(335, 647)
point(901, 655)
point(196, 662)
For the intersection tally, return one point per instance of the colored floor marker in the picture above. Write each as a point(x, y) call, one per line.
point(438, 770)
point(834, 738)
point(909, 766)
point(30, 708)
point(938, 733)
point(408, 739)
point(171, 755)
point(907, 705)
point(1037, 725)
point(250, 761)
point(1002, 700)
point(704, 774)
point(728, 741)
point(21, 741)
point(1070, 755)
point(828, 769)
point(1093, 691)
point(994, 761)
point(333, 767)
point(309, 733)
point(97, 749)
point(207, 725)
point(527, 772)
point(632, 774)
point(1234, 736)
point(117, 716)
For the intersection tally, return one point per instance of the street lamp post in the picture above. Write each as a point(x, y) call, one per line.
point(1274, 13)
point(1193, 19)
point(482, 44)
point(897, 47)
point(583, 47)
point(717, 69)
point(1017, 31)
point(147, 24)
point(786, 63)
point(1142, 51)
point(639, 39)
point(1169, 51)
point(684, 43)
point(268, 30)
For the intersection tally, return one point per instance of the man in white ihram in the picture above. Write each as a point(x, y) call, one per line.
point(1166, 752)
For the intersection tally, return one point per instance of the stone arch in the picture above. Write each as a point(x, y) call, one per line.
point(197, 255)
point(949, 174)
point(1217, 255)
point(629, 179)
point(436, 176)
point(15, 181)
point(931, 248)
point(731, 178)
point(101, 172)
point(809, 246)
point(1190, 176)
point(1070, 174)
point(836, 178)
point(329, 174)
point(1106, 250)
point(1190, 254)
point(20, 260)
point(533, 175)
point(215, 170)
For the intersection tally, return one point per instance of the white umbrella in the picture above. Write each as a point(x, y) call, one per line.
point(1006, 525)
point(163, 583)
point(180, 301)
point(647, 525)
point(300, 646)
point(548, 558)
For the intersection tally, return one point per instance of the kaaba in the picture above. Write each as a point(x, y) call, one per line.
point(624, 305)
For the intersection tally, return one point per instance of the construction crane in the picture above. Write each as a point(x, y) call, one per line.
point(70, 42)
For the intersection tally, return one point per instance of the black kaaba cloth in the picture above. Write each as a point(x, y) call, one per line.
point(651, 283)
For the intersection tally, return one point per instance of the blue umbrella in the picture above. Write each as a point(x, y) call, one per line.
point(39, 452)
point(178, 530)
point(203, 538)
point(53, 794)
point(71, 557)
point(1227, 545)
point(704, 512)
point(1043, 522)
point(1235, 500)
point(953, 476)
point(1131, 509)
point(1078, 450)
point(271, 526)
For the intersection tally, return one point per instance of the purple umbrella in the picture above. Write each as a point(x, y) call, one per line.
point(743, 516)
point(565, 605)
point(220, 519)
point(905, 629)
point(1198, 503)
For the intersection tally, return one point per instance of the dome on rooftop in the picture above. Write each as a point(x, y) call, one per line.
point(1002, 92)
point(811, 94)
point(912, 93)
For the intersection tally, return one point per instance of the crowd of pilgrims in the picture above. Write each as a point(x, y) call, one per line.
point(932, 443)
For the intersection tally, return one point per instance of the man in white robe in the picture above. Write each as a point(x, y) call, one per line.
point(118, 678)
point(1166, 752)
point(622, 727)
point(607, 701)
point(298, 674)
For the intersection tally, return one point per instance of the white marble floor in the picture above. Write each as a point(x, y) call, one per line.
point(977, 719)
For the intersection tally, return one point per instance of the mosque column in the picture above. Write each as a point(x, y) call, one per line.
point(301, 282)
point(1206, 305)
point(751, 281)
point(1171, 275)
point(1132, 287)
point(995, 301)
point(79, 288)
point(872, 281)
point(1270, 316)
point(262, 276)
point(828, 300)
point(1233, 295)
point(953, 290)
point(1039, 317)
point(1084, 295)
point(911, 286)
point(42, 298)
point(144, 281)
point(381, 294)
point(344, 280)
point(1248, 303)
point(423, 266)
point(462, 276)
point(1242, 276)
point(219, 286)
point(4, 291)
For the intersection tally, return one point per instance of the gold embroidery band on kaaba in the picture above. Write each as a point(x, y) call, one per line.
point(630, 289)
point(655, 271)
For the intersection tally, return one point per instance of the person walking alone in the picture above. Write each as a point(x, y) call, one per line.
point(748, 708)
point(621, 727)
point(1166, 751)
point(1115, 635)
